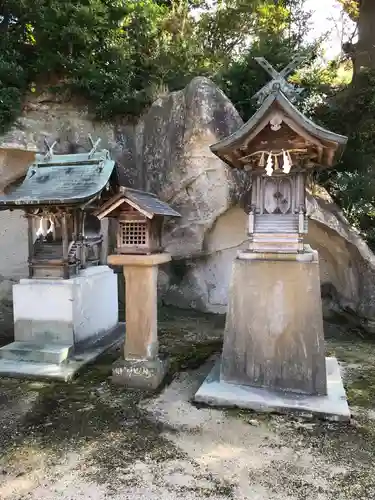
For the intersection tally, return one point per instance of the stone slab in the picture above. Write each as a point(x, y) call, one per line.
point(44, 353)
point(65, 311)
point(139, 260)
point(306, 256)
point(140, 373)
point(64, 371)
point(333, 406)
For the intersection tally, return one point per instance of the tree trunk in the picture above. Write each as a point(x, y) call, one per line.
point(364, 56)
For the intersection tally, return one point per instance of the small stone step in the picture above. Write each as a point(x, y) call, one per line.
point(264, 249)
point(37, 353)
point(275, 236)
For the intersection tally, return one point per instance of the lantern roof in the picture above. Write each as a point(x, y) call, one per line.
point(144, 202)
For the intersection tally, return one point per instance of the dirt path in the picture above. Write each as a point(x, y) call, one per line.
point(94, 441)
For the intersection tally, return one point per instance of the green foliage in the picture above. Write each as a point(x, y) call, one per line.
point(351, 7)
point(119, 54)
point(113, 53)
point(279, 38)
point(352, 112)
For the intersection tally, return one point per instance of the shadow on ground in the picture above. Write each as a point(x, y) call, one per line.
point(90, 439)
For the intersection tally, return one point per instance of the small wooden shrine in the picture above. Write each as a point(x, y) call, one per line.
point(273, 353)
point(66, 312)
point(58, 196)
point(139, 217)
point(279, 147)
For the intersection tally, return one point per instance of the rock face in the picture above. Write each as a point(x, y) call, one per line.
point(178, 165)
point(347, 265)
point(168, 152)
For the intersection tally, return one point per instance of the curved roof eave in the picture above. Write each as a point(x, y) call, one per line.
point(292, 111)
point(69, 184)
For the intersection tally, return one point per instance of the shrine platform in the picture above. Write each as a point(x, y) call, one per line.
point(42, 361)
point(333, 406)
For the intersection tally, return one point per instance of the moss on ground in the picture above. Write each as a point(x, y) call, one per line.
point(107, 421)
point(90, 412)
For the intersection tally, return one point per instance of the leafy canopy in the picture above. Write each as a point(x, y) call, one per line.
point(116, 53)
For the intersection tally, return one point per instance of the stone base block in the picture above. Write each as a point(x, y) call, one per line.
point(68, 312)
point(45, 353)
point(140, 373)
point(40, 365)
point(333, 406)
point(274, 326)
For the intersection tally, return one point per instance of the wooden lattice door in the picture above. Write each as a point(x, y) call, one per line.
point(277, 196)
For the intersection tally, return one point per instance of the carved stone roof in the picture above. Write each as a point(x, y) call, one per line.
point(61, 179)
point(279, 125)
point(146, 203)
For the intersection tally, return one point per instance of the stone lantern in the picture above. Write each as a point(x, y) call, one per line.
point(139, 216)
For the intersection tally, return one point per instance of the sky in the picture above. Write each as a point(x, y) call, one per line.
point(327, 16)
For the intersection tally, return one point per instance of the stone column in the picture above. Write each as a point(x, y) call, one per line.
point(141, 366)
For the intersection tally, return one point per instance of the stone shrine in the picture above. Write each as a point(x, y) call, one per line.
point(273, 354)
point(66, 311)
point(139, 216)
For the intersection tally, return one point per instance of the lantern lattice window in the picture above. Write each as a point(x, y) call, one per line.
point(133, 233)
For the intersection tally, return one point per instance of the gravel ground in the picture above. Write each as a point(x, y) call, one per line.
point(91, 440)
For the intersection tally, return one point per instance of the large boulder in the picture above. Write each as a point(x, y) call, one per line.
point(347, 265)
point(178, 165)
point(168, 152)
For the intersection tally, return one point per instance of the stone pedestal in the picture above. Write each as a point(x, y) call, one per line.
point(141, 366)
point(61, 325)
point(273, 349)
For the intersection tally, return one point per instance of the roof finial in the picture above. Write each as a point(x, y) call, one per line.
point(94, 146)
point(49, 149)
point(278, 81)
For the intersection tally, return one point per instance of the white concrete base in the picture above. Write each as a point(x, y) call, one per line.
point(66, 312)
point(333, 406)
point(66, 370)
point(45, 353)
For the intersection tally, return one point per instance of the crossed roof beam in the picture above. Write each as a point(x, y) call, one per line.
point(279, 80)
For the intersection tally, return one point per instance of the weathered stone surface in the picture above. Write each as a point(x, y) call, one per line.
point(216, 392)
point(146, 374)
point(268, 341)
point(140, 273)
point(179, 166)
point(202, 283)
point(45, 117)
point(347, 265)
point(168, 152)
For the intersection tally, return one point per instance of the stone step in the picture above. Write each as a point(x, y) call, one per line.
point(265, 249)
point(37, 353)
point(274, 246)
point(276, 230)
point(276, 239)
